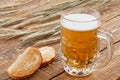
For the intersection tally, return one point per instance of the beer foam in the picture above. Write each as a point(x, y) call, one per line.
point(80, 22)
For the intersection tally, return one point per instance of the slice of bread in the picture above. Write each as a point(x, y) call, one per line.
point(48, 54)
point(26, 64)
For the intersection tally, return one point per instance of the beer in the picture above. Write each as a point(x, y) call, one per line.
point(79, 39)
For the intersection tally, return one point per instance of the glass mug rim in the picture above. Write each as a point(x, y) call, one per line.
point(64, 13)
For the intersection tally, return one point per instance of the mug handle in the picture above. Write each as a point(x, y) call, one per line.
point(107, 37)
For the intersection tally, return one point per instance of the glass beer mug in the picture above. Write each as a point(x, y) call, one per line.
point(80, 35)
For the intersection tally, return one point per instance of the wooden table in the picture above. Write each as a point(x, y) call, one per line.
point(10, 49)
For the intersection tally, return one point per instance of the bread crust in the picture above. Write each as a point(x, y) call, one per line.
point(26, 64)
point(30, 60)
point(48, 55)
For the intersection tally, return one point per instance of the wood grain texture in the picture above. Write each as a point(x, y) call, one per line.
point(10, 49)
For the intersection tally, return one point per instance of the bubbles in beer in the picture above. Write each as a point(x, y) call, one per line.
point(80, 22)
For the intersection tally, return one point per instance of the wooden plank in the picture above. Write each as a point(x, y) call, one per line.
point(110, 72)
point(114, 28)
point(57, 65)
point(8, 58)
point(113, 75)
point(116, 37)
point(109, 27)
point(9, 50)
